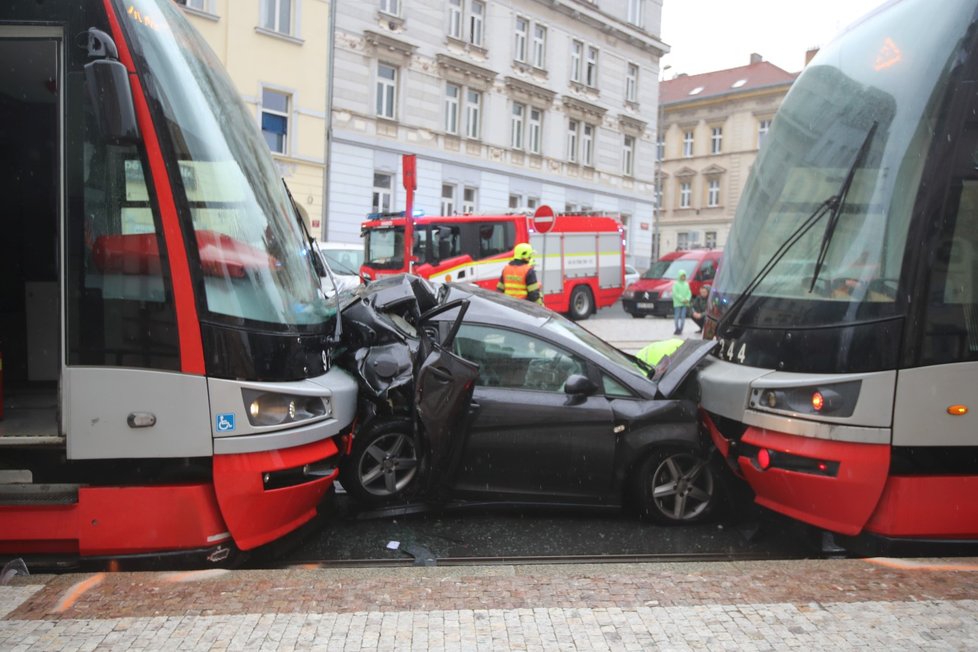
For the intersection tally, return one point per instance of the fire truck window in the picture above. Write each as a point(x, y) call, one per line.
point(120, 302)
point(496, 238)
point(446, 241)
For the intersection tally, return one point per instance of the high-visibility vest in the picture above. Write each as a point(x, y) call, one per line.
point(514, 280)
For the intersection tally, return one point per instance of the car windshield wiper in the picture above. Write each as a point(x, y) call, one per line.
point(833, 207)
point(649, 369)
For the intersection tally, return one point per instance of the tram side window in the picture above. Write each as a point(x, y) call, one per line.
point(951, 333)
point(120, 302)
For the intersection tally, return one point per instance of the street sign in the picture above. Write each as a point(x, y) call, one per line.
point(544, 219)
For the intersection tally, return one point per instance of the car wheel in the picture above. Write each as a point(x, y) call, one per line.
point(383, 466)
point(675, 486)
point(581, 303)
point(638, 315)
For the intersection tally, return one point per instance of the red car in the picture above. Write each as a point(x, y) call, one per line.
point(652, 294)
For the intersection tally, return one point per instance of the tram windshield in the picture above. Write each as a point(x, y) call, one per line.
point(255, 259)
point(884, 87)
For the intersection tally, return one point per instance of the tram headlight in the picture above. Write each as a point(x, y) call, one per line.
point(274, 409)
point(833, 400)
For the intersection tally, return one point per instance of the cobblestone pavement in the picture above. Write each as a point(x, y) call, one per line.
point(817, 605)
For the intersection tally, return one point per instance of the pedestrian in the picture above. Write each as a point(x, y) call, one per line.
point(519, 279)
point(681, 295)
point(698, 307)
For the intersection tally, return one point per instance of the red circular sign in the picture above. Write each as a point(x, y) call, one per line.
point(543, 219)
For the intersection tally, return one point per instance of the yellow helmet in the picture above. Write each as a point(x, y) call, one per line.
point(523, 251)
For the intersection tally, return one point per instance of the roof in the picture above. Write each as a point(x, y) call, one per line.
point(760, 74)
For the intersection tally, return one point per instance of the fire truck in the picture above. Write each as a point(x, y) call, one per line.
point(579, 257)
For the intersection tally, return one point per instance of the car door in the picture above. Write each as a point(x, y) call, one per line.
point(527, 439)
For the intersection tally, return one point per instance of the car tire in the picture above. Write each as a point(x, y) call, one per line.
point(383, 467)
point(581, 303)
point(675, 486)
point(637, 315)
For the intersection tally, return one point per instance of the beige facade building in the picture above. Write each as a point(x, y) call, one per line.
point(276, 53)
point(713, 125)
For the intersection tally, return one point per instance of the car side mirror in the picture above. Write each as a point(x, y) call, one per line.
point(579, 386)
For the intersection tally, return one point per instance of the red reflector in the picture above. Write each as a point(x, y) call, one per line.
point(823, 467)
point(818, 401)
point(764, 458)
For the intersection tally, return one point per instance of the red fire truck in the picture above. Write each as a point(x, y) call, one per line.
point(579, 258)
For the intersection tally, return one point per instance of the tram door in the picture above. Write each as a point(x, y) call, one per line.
point(30, 215)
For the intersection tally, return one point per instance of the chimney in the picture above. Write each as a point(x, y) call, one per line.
point(809, 55)
point(755, 58)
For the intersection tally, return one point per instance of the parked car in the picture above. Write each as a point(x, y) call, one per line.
point(472, 396)
point(344, 260)
point(631, 275)
point(652, 294)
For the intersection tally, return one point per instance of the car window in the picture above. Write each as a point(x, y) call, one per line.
point(516, 360)
point(707, 271)
point(614, 389)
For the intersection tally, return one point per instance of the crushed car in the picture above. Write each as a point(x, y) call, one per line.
point(472, 397)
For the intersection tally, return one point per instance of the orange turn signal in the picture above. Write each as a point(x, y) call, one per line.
point(957, 410)
point(818, 401)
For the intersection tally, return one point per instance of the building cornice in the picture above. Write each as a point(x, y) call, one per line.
point(583, 110)
point(588, 13)
point(531, 93)
point(387, 46)
point(464, 72)
point(631, 125)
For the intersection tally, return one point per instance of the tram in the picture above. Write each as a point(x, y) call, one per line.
point(844, 387)
point(167, 368)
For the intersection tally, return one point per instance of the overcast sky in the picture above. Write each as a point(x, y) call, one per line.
point(708, 35)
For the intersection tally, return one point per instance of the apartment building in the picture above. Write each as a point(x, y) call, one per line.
point(507, 104)
point(276, 53)
point(713, 125)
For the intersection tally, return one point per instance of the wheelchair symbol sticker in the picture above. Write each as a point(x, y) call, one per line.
point(225, 422)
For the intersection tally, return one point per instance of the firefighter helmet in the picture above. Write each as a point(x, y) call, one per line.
point(523, 251)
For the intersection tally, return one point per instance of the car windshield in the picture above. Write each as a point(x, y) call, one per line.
point(566, 328)
point(884, 87)
point(255, 259)
point(657, 269)
point(343, 260)
point(680, 265)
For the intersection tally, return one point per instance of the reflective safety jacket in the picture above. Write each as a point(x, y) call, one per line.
point(519, 280)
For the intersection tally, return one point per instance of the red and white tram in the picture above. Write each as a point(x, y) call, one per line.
point(167, 381)
point(844, 389)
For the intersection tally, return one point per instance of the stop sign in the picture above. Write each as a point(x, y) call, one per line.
point(543, 219)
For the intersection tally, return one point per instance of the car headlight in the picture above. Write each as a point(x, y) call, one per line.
point(666, 295)
point(628, 294)
point(274, 409)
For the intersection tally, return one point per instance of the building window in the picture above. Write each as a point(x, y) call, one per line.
point(577, 56)
point(713, 193)
point(469, 200)
point(539, 46)
point(452, 94)
point(534, 136)
point(682, 241)
point(516, 126)
point(455, 19)
point(276, 15)
point(631, 83)
point(572, 128)
point(628, 156)
point(685, 192)
point(635, 12)
point(657, 198)
point(716, 140)
point(383, 193)
point(587, 145)
point(660, 147)
point(473, 113)
point(762, 128)
point(448, 191)
point(515, 201)
point(386, 90)
point(710, 240)
point(477, 13)
point(591, 67)
point(275, 119)
point(522, 36)
point(199, 5)
point(687, 144)
point(391, 7)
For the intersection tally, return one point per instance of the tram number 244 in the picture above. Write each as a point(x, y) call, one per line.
point(729, 350)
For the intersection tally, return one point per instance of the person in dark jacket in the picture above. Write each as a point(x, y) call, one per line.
point(519, 279)
point(698, 307)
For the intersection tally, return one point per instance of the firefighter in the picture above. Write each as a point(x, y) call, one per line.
point(519, 279)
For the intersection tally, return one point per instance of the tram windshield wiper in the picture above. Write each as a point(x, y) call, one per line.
point(837, 202)
point(833, 207)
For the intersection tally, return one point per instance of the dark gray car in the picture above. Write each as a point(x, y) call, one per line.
point(470, 396)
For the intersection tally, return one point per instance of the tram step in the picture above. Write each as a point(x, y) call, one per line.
point(38, 494)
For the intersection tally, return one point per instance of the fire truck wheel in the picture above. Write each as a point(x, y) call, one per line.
point(581, 303)
point(383, 466)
